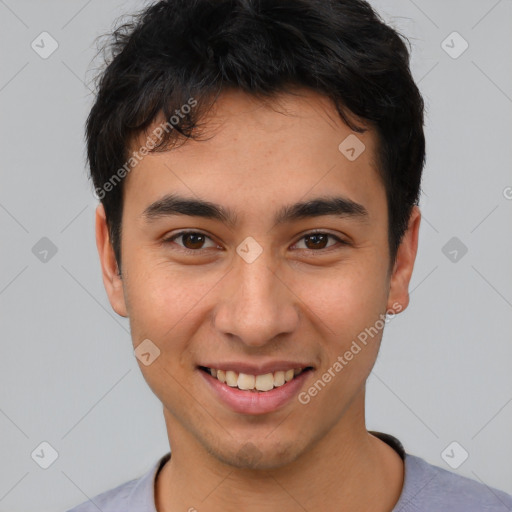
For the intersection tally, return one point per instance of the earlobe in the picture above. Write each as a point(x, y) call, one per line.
point(110, 272)
point(398, 298)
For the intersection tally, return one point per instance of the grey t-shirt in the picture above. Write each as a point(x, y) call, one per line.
point(427, 488)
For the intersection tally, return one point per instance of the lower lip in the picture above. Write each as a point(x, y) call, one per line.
point(254, 402)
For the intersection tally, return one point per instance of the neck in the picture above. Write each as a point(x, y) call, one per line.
point(347, 469)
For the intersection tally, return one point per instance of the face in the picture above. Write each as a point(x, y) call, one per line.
point(250, 285)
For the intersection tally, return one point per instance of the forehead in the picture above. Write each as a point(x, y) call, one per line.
point(254, 154)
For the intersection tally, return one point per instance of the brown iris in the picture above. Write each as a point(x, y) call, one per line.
point(319, 240)
point(196, 240)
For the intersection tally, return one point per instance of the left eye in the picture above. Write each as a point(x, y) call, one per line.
point(194, 240)
point(319, 240)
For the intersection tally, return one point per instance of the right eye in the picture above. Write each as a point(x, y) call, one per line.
point(192, 240)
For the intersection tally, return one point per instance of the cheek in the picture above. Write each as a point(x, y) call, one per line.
point(163, 301)
point(345, 300)
point(351, 307)
point(163, 307)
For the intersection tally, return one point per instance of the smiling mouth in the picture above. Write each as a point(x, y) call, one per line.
point(255, 383)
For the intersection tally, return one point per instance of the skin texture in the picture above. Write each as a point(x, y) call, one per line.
point(294, 302)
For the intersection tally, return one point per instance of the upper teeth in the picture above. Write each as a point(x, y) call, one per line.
point(245, 381)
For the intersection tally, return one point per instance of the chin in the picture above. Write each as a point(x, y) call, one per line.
point(253, 455)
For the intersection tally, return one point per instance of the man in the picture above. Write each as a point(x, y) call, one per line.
point(259, 167)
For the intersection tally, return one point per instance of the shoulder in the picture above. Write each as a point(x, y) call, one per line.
point(137, 495)
point(108, 501)
point(431, 488)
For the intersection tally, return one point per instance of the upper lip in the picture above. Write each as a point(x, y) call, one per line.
point(257, 369)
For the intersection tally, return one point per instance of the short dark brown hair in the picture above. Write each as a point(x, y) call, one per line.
point(178, 50)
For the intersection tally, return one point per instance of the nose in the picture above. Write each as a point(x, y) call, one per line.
point(257, 303)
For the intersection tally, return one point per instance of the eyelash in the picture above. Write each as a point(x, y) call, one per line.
point(195, 251)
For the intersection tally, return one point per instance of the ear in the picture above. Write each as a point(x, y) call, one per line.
point(110, 271)
point(404, 264)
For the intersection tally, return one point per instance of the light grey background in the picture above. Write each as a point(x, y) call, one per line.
point(68, 374)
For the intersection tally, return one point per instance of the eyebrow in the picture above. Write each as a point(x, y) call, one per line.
point(173, 204)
